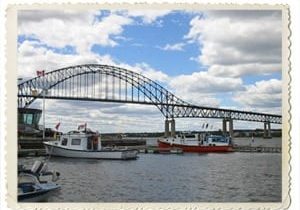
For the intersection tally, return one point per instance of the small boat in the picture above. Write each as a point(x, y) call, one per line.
point(189, 142)
point(30, 186)
point(86, 144)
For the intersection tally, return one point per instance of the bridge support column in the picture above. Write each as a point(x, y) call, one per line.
point(230, 129)
point(173, 132)
point(224, 126)
point(167, 130)
point(267, 130)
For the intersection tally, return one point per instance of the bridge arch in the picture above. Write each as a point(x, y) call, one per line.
point(95, 82)
point(92, 82)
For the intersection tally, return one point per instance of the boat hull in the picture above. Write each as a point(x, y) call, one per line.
point(197, 149)
point(102, 154)
point(42, 194)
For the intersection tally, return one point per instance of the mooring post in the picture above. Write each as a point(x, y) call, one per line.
point(173, 132)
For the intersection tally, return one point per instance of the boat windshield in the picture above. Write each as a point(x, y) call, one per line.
point(219, 139)
point(92, 142)
point(27, 178)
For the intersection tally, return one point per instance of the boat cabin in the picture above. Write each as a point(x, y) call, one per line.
point(198, 139)
point(76, 140)
point(216, 140)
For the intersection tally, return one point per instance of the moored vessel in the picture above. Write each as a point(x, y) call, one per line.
point(189, 142)
point(32, 186)
point(86, 144)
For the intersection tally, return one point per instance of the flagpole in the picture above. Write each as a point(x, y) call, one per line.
point(39, 74)
point(43, 114)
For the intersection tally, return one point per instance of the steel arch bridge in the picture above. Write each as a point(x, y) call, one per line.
point(93, 82)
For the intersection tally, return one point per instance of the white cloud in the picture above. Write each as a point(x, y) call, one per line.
point(239, 70)
point(236, 41)
point(201, 88)
point(206, 83)
point(150, 72)
point(48, 60)
point(26, 16)
point(174, 47)
point(79, 29)
point(263, 96)
point(232, 45)
point(148, 16)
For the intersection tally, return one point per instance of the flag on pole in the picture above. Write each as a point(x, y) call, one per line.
point(82, 126)
point(57, 126)
point(40, 73)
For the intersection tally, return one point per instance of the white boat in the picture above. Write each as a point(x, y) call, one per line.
point(30, 186)
point(86, 144)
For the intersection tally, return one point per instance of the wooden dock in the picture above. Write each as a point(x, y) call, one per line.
point(32, 142)
point(259, 149)
point(31, 152)
point(156, 150)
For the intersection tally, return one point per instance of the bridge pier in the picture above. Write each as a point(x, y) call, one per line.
point(169, 123)
point(230, 122)
point(224, 126)
point(267, 130)
point(167, 130)
point(173, 132)
point(231, 127)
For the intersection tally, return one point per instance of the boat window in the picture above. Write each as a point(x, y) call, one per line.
point(64, 142)
point(28, 119)
point(76, 141)
point(189, 136)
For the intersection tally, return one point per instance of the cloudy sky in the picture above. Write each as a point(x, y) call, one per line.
point(228, 59)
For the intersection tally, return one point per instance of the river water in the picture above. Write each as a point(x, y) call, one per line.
point(231, 177)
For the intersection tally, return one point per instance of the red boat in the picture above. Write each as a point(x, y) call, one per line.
point(197, 143)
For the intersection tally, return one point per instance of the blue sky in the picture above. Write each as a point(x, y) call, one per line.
point(221, 59)
point(142, 44)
